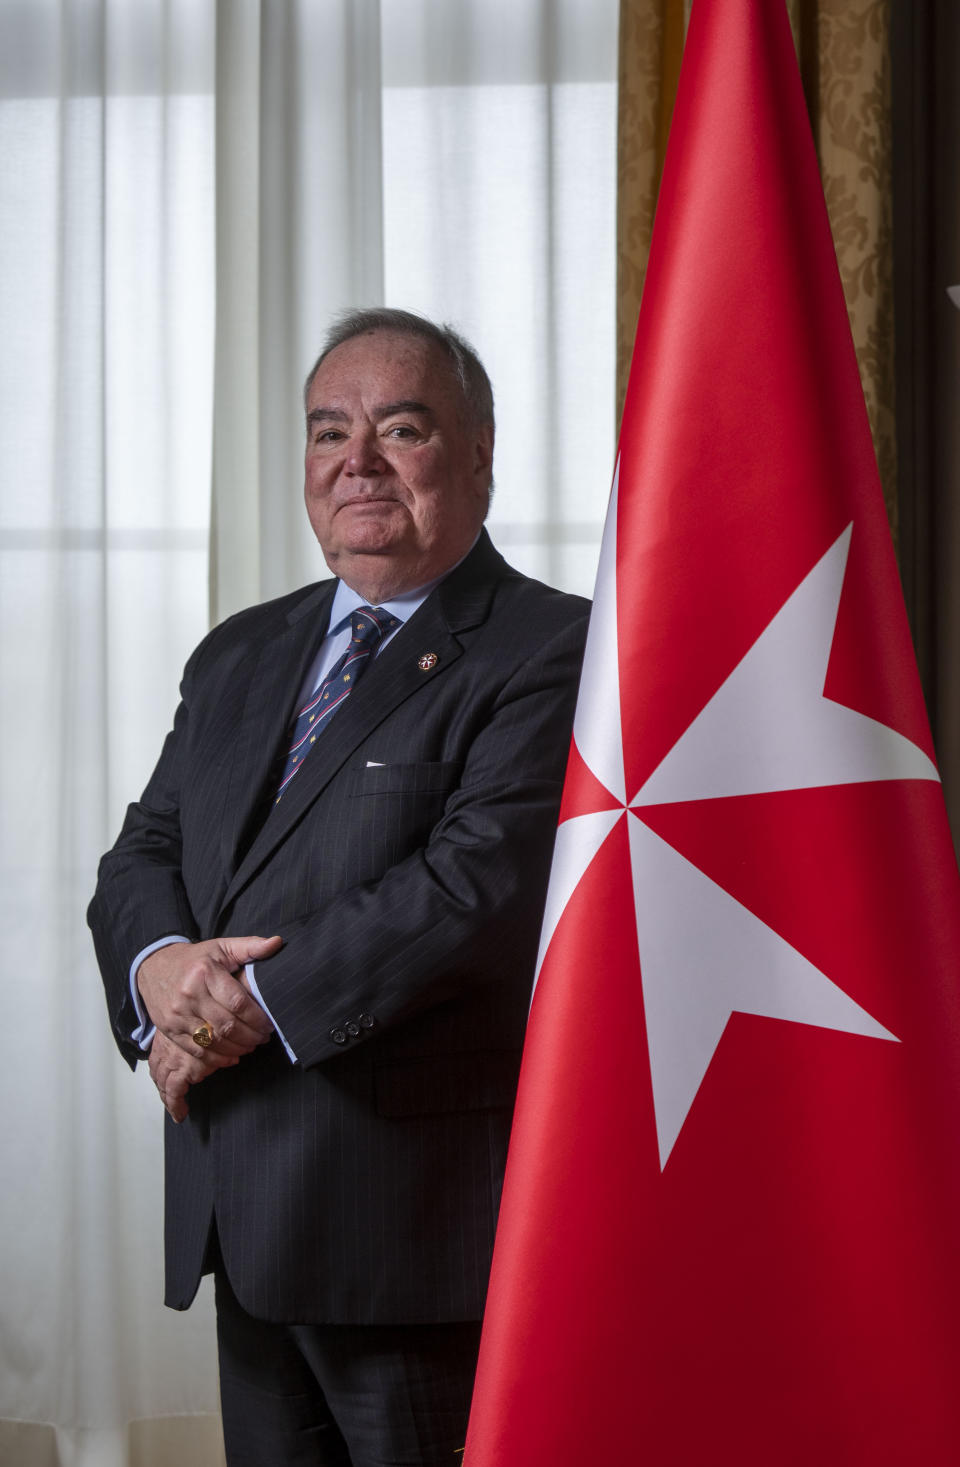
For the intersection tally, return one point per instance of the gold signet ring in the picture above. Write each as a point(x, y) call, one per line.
point(203, 1035)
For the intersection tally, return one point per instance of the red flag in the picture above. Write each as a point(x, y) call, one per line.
point(731, 1220)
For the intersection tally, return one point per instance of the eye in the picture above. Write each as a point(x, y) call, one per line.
point(327, 435)
point(402, 431)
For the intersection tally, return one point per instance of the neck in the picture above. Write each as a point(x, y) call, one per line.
point(378, 583)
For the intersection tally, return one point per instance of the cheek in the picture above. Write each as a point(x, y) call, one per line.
point(317, 501)
point(427, 512)
point(444, 513)
point(317, 481)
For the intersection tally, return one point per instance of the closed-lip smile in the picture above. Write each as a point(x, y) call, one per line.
point(364, 499)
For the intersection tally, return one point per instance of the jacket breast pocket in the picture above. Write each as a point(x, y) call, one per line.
point(404, 779)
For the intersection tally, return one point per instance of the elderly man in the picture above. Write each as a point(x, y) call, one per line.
point(321, 919)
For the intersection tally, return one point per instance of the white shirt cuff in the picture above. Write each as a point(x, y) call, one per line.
point(145, 1030)
point(255, 993)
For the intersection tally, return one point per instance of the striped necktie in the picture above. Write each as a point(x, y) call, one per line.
point(369, 625)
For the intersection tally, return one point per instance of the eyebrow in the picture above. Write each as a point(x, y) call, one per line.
point(325, 414)
point(405, 405)
point(383, 410)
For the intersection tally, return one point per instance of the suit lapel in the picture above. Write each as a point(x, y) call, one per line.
point(280, 668)
point(458, 603)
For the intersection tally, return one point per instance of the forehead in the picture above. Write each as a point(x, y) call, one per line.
point(385, 366)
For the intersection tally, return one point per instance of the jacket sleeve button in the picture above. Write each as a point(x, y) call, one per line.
point(339, 1036)
point(365, 1021)
point(352, 1028)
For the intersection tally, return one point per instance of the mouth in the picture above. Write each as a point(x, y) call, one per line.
point(368, 501)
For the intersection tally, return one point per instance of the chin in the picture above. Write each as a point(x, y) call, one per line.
point(384, 521)
point(374, 540)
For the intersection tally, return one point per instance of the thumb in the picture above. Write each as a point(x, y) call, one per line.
point(239, 950)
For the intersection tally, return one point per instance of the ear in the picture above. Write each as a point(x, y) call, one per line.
point(483, 454)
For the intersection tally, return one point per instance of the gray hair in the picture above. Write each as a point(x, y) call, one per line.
point(467, 367)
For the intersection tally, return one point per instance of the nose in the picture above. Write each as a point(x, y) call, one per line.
point(364, 459)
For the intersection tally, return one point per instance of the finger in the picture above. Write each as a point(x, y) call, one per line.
point(217, 1046)
point(204, 1058)
point(240, 950)
point(202, 1047)
point(171, 1091)
point(172, 1065)
point(221, 1035)
point(231, 995)
point(174, 1098)
point(237, 1017)
point(176, 1106)
point(173, 1073)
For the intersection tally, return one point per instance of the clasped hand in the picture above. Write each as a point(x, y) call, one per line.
point(189, 984)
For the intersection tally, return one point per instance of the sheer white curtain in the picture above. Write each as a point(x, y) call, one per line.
point(455, 157)
point(189, 189)
point(499, 185)
point(106, 343)
point(299, 236)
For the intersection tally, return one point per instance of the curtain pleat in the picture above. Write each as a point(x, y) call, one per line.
point(164, 1441)
point(299, 236)
point(106, 333)
point(853, 131)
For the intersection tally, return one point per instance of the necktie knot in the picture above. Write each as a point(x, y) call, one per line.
point(370, 624)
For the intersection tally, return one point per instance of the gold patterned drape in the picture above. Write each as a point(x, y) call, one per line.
point(844, 52)
point(651, 45)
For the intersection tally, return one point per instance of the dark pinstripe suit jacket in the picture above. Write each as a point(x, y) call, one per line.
point(405, 869)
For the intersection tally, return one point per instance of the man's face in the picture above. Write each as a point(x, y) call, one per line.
point(396, 479)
